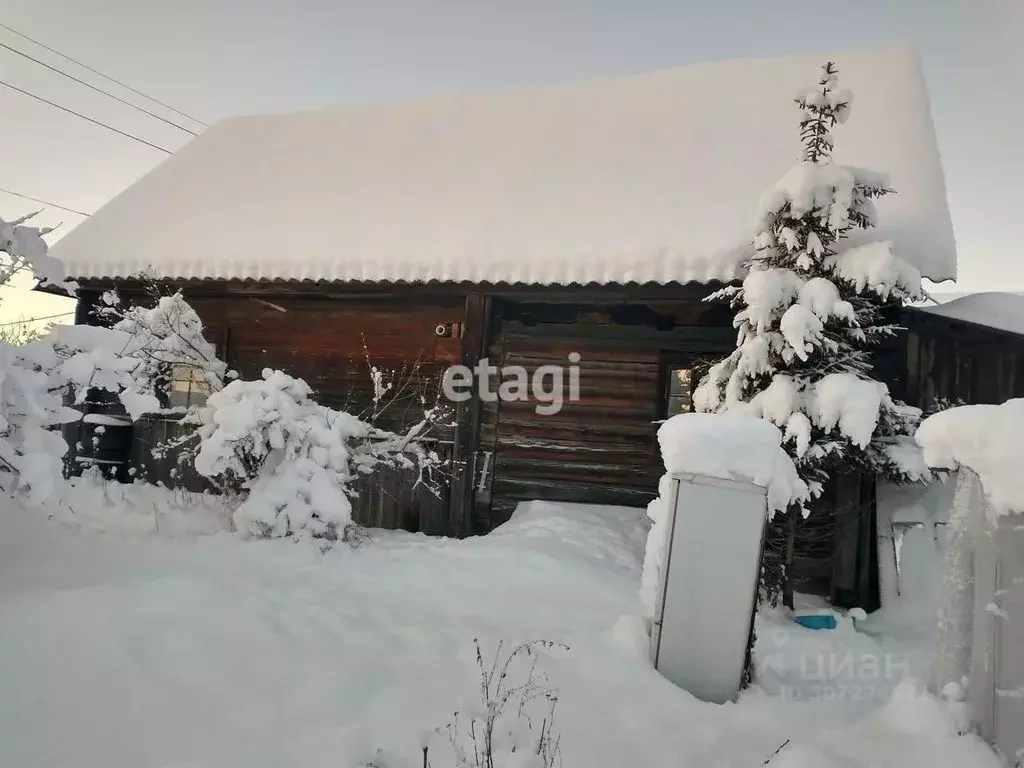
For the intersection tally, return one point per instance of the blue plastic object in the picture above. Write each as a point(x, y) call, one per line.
point(817, 621)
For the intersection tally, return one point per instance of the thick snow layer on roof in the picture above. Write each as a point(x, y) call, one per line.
point(985, 438)
point(1004, 311)
point(652, 178)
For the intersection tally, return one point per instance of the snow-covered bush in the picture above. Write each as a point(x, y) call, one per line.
point(22, 248)
point(31, 385)
point(37, 379)
point(22, 332)
point(36, 383)
point(810, 313)
point(295, 458)
point(160, 341)
point(31, 405)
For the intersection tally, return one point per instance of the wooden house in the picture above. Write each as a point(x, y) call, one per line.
point(969, 350)
point(520, 227)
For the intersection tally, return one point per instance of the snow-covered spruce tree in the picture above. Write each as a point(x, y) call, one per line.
point(810, 312)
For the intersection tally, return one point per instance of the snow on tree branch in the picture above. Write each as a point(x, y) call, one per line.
point(31, 385)
point(24, 249)
point(823, 107)
point(876, 268)
point(811, 311)
point(296, 459)
point(30, 404)
point(163, 340)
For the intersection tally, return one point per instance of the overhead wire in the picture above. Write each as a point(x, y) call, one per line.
point(43, 202)
point(92, 120)
point(97, 89)
point(95, 71)
point(35, 319)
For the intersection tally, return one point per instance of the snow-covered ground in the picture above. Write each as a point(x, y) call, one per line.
point(121, 647)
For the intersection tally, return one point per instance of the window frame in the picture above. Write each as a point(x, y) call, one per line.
point(668, 363)
point(197, 386)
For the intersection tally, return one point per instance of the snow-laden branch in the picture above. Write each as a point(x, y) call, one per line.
point(296, 459)
point(23, 249)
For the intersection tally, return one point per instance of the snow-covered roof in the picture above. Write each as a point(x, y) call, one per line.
point(651, 178)
point(1003, 311)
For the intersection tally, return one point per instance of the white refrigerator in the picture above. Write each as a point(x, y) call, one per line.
point(711, 564)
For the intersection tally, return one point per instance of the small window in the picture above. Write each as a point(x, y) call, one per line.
point(189, 386)
point(682, 375)
point(680, 391)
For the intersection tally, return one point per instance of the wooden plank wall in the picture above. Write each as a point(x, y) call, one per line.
point(393, 498)
point(155, 431)
point(951, 361)
point(601, 449)
point(332, 344)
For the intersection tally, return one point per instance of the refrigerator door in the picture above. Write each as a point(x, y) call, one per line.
point(709, 583)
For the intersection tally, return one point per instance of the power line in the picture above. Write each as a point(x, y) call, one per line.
point(85, 117)
point(98, 90)
point(105, 77)
point(44, 202)
point(36, 320)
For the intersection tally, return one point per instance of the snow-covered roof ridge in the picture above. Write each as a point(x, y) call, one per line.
point(994, 309)
point(646, 179)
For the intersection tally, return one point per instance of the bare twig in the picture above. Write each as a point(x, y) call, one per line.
point(776, 752)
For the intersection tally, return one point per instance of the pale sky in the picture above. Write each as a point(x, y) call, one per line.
point(217, 58)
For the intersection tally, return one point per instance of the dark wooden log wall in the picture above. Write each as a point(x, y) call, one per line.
point(602, 448)
point(953, 361)
point(333, 344)
point(153, 432)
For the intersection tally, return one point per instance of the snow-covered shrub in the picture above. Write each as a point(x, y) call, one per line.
point(22, 248)
point(22, 332)
point(36, 380)
point(295, 458)
point(810, 313)
point(31, 452)
point(31, 385)
point(159, 342)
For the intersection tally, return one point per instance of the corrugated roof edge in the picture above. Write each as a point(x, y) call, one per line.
point(452, 283)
